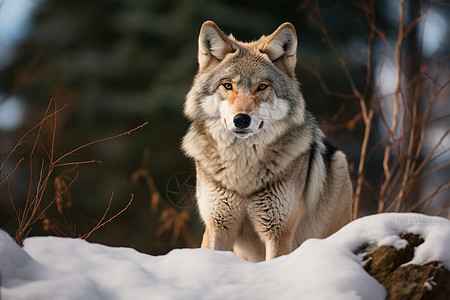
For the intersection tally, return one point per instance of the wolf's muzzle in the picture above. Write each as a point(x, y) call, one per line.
point(242, 121)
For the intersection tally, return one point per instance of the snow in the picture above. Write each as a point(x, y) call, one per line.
point(429, 283)
point(65, 268)
point(393, 240)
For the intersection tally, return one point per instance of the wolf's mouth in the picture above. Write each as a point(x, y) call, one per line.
point(241, 131)
point(245, 132)
point(242, 134)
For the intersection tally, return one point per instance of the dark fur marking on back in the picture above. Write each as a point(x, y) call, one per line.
point(312, 153)
point(330, 150)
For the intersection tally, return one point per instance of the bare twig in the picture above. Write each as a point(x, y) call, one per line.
point(99, 141)
point(101, 222)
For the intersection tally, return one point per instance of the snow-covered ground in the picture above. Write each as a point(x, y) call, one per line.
point(65, 268)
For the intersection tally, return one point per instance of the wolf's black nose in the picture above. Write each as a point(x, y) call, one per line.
point(242, 121)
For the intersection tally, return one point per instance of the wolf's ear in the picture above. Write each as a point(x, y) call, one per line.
point(213, 45)
point(281, 47)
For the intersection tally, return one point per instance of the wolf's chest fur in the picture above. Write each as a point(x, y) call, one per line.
point(244, 167)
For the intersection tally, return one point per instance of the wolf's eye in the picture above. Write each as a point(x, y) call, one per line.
point(228, 86)
point(262, 86)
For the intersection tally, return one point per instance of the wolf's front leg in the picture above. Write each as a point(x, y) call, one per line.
point(221, 212)
point(219, 237)
point(274, 218)
point(276, 233)
point(279, 243)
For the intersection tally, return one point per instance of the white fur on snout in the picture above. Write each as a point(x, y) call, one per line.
point(269, 111)
point(264, 111)
point(227, 118)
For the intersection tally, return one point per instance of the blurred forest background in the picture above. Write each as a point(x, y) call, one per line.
point(114, 65)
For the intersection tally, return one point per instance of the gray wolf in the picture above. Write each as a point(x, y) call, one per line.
point(267, 179)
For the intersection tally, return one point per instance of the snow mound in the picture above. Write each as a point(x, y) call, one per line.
point(65, 268)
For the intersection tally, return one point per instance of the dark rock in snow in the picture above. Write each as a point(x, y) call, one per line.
point(386, 264)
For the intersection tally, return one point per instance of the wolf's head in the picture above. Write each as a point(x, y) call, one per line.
point(249, 88)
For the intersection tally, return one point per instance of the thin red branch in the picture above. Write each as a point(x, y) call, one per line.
point(101, 223)
point(98, 141)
